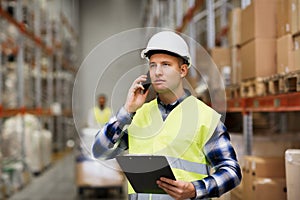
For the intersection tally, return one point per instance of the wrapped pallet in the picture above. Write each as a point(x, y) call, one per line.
point(11, 137)
point(25, 131)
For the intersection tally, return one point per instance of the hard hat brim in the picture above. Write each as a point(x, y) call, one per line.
point(147, 53)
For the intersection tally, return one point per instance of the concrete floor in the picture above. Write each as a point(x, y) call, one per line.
point(58, 183)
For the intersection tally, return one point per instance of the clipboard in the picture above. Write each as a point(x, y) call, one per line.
point(143, 171)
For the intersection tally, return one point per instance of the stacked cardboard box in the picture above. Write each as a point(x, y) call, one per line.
point(263, 39)
point(266, 160)
point(264, 178)
point(258, 39)
point(259, 20)
point(288, 27)
point(288, 17)
point(258, 58)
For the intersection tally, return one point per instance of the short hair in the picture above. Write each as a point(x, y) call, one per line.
point(102, 95)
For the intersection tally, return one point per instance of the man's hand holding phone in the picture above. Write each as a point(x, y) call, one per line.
point(137, 93)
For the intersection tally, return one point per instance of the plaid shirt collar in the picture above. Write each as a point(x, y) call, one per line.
point(169, 107)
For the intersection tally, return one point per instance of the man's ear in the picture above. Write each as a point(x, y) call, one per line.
point(184, 70)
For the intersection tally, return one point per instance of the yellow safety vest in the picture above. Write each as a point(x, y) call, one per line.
point(102, 116)
point(180, 137)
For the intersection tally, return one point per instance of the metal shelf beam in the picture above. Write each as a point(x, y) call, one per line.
point(273, 103)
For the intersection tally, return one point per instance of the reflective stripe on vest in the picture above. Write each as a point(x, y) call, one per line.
point(149, 197)
point(182, 135)
point(135, 196)
point(188, 166)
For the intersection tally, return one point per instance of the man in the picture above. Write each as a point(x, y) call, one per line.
point(99, 115)
point(175, 124)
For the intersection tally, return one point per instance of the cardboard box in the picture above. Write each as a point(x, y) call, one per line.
point(264, 188)
point(221, 56)
point(285, 61)
point(234, 36)
point(260, 167)
point(259, 20)
point(236, 65)
point(283, 17)
point(258, 58)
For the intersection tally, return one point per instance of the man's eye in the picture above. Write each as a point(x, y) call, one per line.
point(152, 65)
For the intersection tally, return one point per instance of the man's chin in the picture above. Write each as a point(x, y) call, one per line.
point(162, 90)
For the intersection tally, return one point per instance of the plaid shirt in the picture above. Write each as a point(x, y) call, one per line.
point(112, 140)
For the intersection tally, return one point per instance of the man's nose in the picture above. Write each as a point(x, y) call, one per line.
point(158, 70)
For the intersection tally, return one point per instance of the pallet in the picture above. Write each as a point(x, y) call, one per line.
point(261, 86)
point(276, 84)
point(233, 92)
point(292, 82)
point(254, 87)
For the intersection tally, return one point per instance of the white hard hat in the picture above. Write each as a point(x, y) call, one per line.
point(168, 41)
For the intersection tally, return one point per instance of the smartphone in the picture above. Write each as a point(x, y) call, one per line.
point(147, 83)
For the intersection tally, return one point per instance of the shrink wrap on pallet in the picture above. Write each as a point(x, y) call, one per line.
point(37, 142)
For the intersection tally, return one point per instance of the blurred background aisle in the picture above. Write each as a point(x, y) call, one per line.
point(45, 138)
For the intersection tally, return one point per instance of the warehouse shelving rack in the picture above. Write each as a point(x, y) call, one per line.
point(285, 102)
point(49, 51)
point(51, 68)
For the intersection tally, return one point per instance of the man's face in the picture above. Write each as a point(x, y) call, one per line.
point(165, 73)
point(102, 101)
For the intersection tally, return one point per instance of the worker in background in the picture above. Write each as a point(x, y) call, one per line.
point(175, 124)
point(99, 115)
